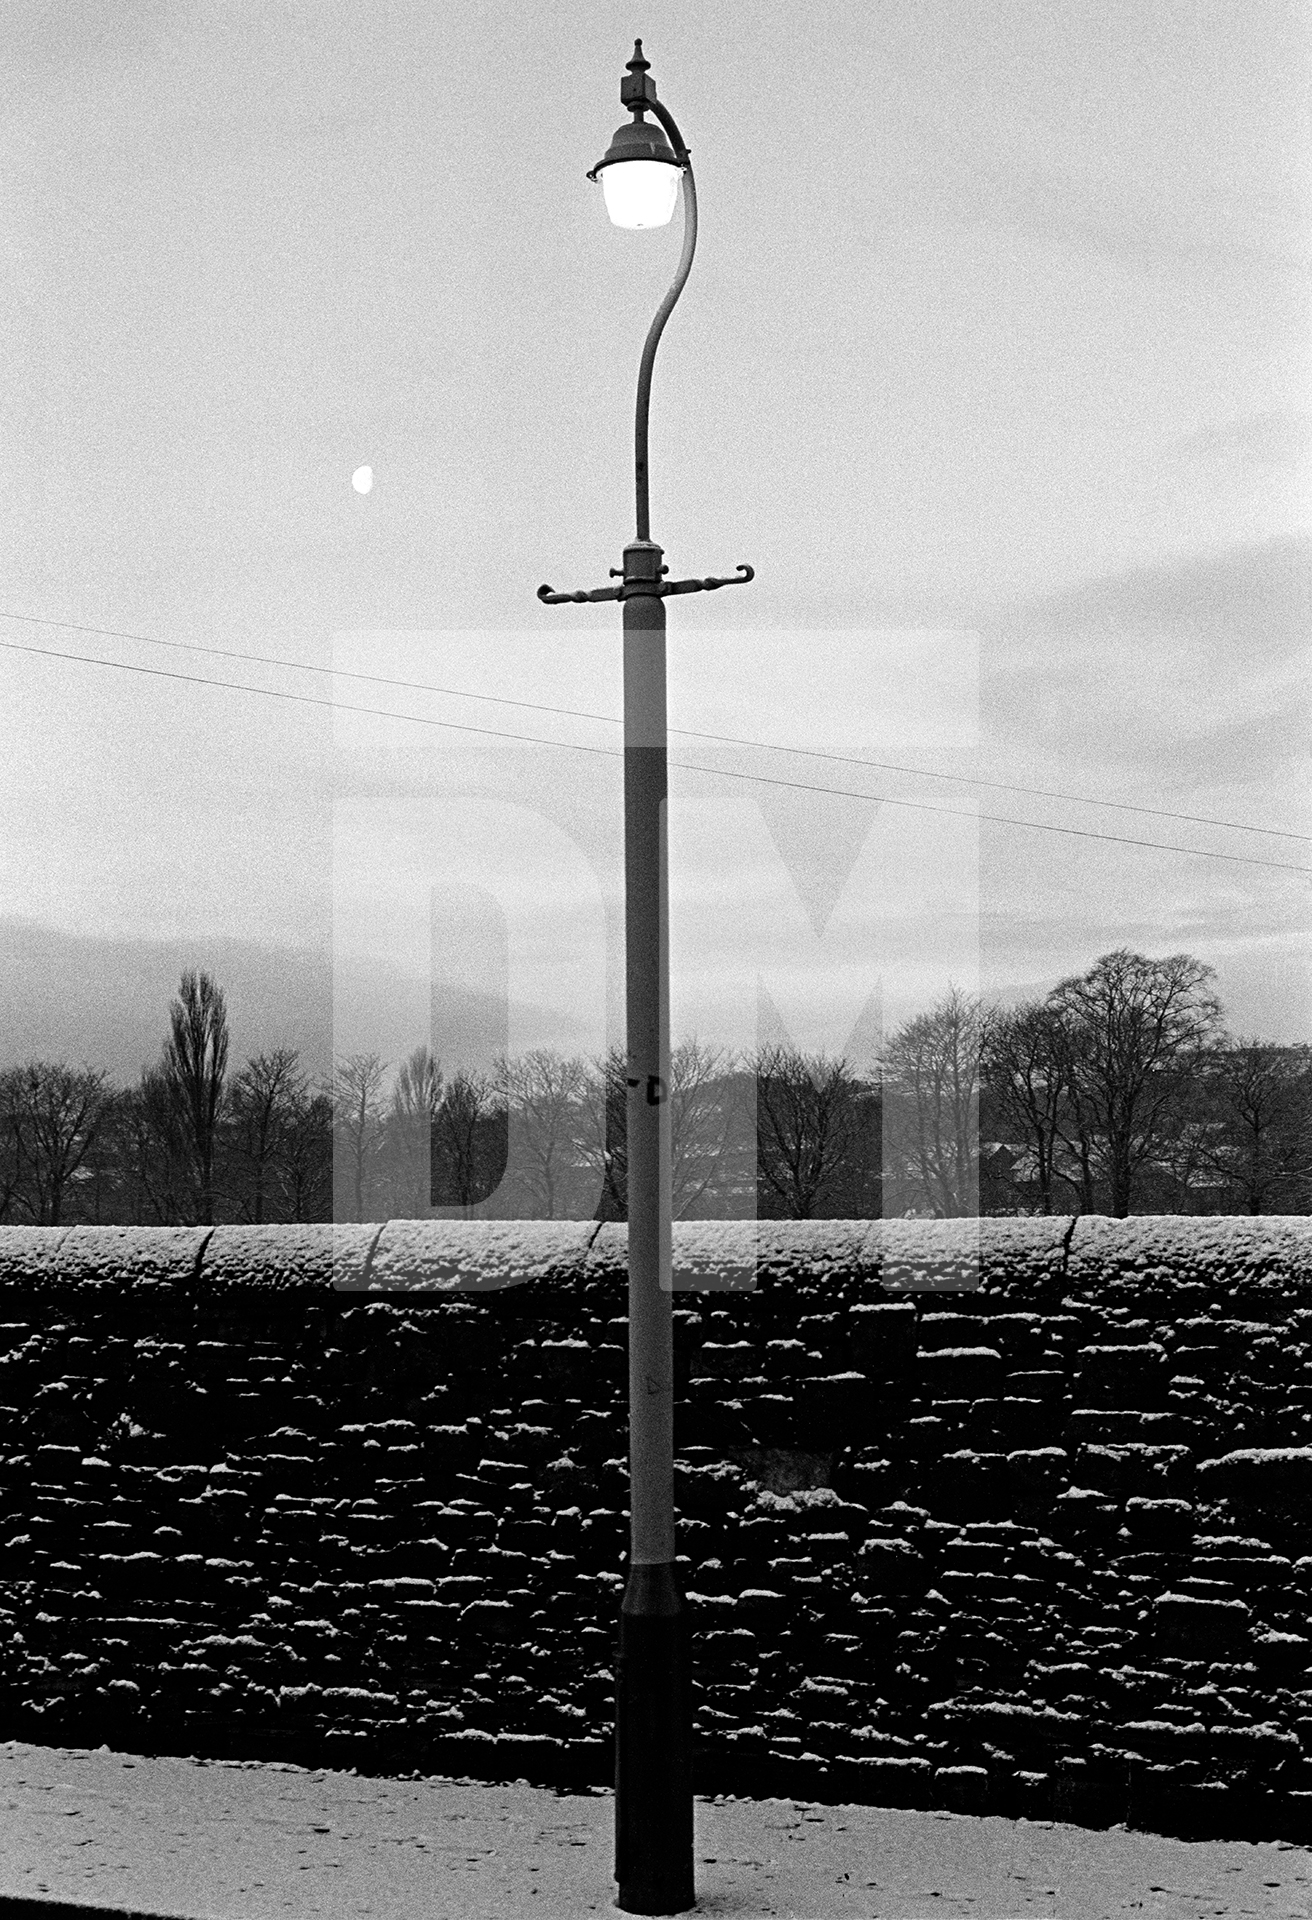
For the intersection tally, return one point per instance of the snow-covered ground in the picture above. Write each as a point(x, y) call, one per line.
point(241, 1842)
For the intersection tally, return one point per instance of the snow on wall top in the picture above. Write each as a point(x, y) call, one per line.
point(721, 1256)
point(107, 1257)
point(320, 1254)
point(1203, 1248)
point(898, 1256)
point(474, 1256)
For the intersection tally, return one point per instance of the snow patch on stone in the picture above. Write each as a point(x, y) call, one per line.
point(475, 1256)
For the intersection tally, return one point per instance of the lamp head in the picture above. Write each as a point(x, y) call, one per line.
point(639, 171)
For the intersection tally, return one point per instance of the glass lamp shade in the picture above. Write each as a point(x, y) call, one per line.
point(640, 193)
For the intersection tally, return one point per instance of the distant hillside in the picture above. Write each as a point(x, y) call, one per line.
point(80, 999)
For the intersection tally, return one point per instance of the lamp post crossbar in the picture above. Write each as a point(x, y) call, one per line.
point(664, 588)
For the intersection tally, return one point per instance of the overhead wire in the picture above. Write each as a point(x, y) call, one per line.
point(686, 733)
point(617, 753)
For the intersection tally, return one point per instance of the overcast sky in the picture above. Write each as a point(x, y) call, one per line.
point(993, 363)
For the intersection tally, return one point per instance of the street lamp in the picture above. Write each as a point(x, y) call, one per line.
point(640, 176)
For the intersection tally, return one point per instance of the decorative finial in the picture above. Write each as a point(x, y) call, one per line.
point(637, 92)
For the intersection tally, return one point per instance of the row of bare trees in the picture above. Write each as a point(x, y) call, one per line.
point(537, 1136)
point(1118, 1091)
point(188, 1143)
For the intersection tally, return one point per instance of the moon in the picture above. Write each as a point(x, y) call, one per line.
point(362, 479)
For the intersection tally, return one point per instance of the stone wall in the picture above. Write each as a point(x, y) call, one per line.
point(356, 1496)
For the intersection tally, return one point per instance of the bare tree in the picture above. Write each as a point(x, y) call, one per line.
point(708, 1122)
point(809, 1129)
point(195, 1062)
point(52, 1114)
point(470, 1141)
point(1077, 1154)
point(931, 1068)
point(1260, 1140)
point(1185, 1173)
point(358, 1116)
point(261, 1103)
point(416, 1097)
point(10, 1157)
point(699, 1122)
point(151, 1154)
point(1024, 1071)
point(601, 1132)
point(542, 1092)
point(1133, 1028)
point(704, 1112)
point(305, 1156)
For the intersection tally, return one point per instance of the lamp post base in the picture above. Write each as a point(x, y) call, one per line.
point(653, 1747)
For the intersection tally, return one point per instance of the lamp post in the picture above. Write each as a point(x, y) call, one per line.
point(640, 176)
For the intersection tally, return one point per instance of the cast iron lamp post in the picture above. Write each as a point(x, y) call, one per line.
point(640, 177)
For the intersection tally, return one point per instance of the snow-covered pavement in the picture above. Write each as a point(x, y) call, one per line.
point(240, 1842)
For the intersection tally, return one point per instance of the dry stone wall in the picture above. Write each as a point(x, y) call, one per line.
point(357, 1496)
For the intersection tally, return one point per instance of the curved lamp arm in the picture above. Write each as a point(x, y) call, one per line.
point(663, 312)
point(643, 575)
